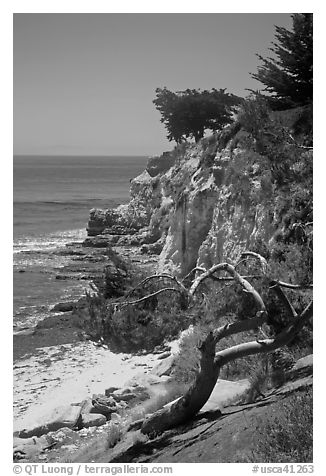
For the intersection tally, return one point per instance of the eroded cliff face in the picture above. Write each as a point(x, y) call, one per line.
point(129, 218)
point(200, 204)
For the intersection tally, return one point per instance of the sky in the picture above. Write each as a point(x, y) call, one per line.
point(84, 82)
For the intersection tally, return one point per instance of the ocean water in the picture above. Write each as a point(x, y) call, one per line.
point(52, 199)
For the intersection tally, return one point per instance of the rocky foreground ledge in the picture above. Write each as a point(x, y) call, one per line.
point(220, 432)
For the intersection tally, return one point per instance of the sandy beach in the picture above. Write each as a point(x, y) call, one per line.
point(69, 373)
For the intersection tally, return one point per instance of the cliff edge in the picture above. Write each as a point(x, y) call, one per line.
point(203, 203)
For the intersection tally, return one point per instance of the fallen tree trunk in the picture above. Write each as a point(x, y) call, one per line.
point(195, 398)
point(210, 365)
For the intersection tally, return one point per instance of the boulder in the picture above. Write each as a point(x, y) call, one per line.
point(161, 349)
point(101, 398)
point(115, 417)
point(160, 164)
point(110, 390)
point(225, 391)
point(96, 222)
point(124, 391)
point(164, 368)
point(164, 355)
point(63, 306)
point(90, 419)
point(63, 416)
point(97, 242)
point(152, 248)
point(124, 397)
point(62, 436)
point(85, 406)
point(103, 405)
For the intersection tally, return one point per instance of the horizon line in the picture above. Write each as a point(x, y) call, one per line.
point(82, 155)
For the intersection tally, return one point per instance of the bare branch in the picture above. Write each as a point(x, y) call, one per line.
point(197, 268)
point(150, 278)
point(231, 270)
point(283, 297)
point(230, 278)
point(299, 145)
point(267, 345)
point(282, 284)
point(149, 296)
point(240, 326)
point(199, 392)
point(261, 259)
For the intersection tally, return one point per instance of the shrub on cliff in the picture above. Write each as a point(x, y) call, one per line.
point(136, 326)
point(188, 113)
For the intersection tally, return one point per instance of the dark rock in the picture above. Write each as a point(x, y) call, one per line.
point(125, 397)
point(112, 239)
point(136, 425)
point(52, 322)
point(63, 306)
point(125, 391)
point(68, 252)
point(110, 390)
point(103, 410)
point(120, 230)
point(157, 165)
point(97, 242)
point(152, 249)
point(97, 222)
point(103, 405)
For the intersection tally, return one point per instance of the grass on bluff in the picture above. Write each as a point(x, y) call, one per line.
point(287, 436)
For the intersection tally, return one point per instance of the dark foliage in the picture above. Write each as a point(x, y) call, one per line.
point(136, 327)
point(289, 75)
point(187, 114)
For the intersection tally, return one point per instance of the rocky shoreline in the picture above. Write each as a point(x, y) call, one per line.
point(88, 261)
point(57, 356)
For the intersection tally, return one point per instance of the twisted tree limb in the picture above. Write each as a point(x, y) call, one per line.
point(267, 345)
point(149, 296)
point(210, 365)
point(247, 287)
point(211, 362)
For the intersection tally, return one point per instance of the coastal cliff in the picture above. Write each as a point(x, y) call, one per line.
point(201, 204)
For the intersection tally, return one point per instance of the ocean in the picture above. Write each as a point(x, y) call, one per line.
point(52, 198)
